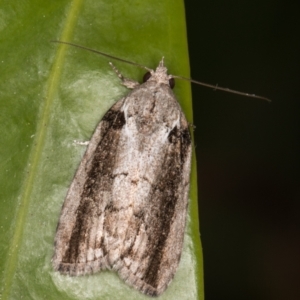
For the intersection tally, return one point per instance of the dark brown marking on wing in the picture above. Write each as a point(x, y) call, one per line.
point(185, 143)
point(115, 119)
point(163, 199)
point(138, 220)
point(99, 177)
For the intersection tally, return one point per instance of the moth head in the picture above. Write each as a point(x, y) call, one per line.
point(160, 75)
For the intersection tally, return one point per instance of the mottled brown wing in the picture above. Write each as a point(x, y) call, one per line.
point(145, 223)
point(79, 247)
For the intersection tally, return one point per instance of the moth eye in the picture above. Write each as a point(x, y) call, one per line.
point(171, 83)
point(146, 76)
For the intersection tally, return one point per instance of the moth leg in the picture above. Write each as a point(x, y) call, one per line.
point(191, 125)
point(81, 143)
point(130, 84)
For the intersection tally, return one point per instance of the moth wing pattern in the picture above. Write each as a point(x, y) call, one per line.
point(126, 207)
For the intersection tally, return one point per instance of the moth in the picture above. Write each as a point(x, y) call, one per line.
point(126, 207)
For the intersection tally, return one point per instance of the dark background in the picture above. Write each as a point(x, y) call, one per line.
point(247, 149)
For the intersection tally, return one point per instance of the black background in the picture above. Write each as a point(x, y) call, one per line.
point(247, 149)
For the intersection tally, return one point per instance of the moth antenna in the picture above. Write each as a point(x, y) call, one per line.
point(174, 76)
point(215, 87)
point(103, 54)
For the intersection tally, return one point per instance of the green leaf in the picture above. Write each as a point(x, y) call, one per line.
point(53, 94)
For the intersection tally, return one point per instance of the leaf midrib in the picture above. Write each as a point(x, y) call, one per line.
point(38, 144)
